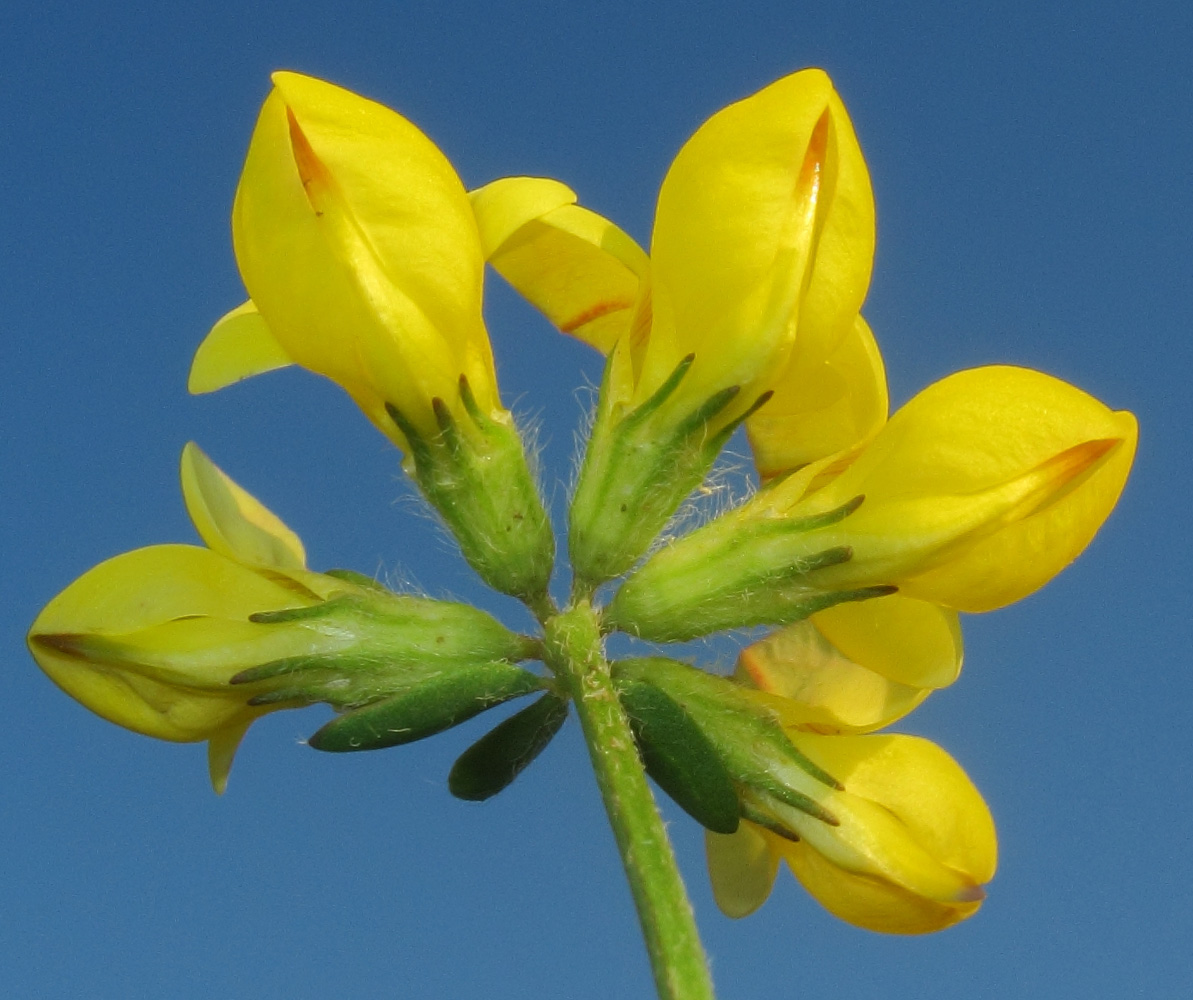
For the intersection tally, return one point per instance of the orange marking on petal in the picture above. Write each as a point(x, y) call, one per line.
point(595, 312)
point(754, 667)
point(311, 171)
point(1059, 474)
point(811, 175)
point(1057, 477)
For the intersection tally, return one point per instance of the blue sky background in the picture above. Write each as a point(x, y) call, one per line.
point(1031, 168)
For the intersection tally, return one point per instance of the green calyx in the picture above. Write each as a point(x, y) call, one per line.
point(426, 706)
point(718, 753)
point(367, 646)
point(679, 757)
point(639, 467)
point(475, 474)
point(745, 568)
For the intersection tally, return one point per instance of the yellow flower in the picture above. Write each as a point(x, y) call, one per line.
point(150, 639)
point(912, 845)
point(360, 252)
point(916, 862)
point(760, 257)
point(885, 830)
point(976, 493)
point(913, 842)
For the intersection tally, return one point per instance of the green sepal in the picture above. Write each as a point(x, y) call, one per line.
point(475, 474)
point(745, 733)
point(339, 679)
point(768, 822)
point(403, 628)
point(433, 704)
point(797, 800)
point(340, 603)
point(680, 758)
point(358, 580)
point(638, 468)
point(498, 757)
point(361, 647)
point(742, 570)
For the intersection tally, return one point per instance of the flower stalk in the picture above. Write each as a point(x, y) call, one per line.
point(574, 652)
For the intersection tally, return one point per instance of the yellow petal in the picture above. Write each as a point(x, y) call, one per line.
point(140, 703)
point(810, 686)
point(221, 749)
point(741, 868)
point(233, 522)
point(238, 346)
point(983, 487)
point(411, 205)
point(905, 640)
point(148, 586)
point(870, 903)
point(821, 408)
point(916, 840)
point(840, 276)
point(858, 666)
point(358, 245)
point(504, 206)
point(742, 212)
point(923, 787)
point(582, 272)
point(166, 597)
point(200, 652)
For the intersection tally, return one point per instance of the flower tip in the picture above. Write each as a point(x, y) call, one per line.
point(73, 644)
point(972, 893)
point(1093, 450)
point(284, 79)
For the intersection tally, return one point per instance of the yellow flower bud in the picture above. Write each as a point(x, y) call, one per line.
point(886, 831)
point(912, 841)
point(360, 249)
point(975, 494)
point(360, 252)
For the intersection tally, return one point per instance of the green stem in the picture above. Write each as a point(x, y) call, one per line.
point(575, 654)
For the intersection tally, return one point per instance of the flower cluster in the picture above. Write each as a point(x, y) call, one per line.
point(363, 256)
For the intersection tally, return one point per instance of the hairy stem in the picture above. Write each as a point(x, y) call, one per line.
point(575, 654)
